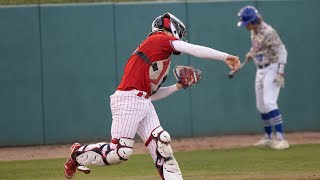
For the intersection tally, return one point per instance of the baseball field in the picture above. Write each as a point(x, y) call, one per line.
point(221, 158)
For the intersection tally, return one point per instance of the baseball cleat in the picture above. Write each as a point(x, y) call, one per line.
point(279, 145)
point(84, 169)
point(264, 142)
point(71, 165)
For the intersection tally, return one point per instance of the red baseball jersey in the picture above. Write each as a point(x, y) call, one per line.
point(157, 47)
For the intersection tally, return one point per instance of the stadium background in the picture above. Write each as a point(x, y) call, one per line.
point(59, 63)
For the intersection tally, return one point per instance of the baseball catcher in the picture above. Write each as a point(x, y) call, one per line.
point(131, 105)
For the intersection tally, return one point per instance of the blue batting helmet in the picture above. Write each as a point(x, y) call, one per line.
point(248, 14)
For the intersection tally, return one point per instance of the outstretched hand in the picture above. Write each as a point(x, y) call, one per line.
point(233, 62)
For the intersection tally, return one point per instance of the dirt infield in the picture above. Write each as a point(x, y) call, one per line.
point(185, 144)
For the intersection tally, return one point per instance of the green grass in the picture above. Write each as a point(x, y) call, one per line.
point(297, 162)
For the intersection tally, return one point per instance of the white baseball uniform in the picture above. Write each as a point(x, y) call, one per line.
point(269, 54)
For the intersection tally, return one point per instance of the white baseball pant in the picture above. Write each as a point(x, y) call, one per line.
point(133, 114)
point(267, 90)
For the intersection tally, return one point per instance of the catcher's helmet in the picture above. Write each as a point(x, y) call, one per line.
point(170, 23)
point(248, 14)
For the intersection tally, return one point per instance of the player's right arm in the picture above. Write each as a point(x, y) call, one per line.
point(250, 54)
point(206, 53)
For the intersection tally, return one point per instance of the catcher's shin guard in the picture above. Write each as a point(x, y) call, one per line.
point(102, 154)
point(169, 170)
point(166, 164)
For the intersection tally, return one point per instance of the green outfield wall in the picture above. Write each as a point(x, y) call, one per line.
point(60, 63)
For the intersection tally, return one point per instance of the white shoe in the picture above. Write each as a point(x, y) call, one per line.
point(264, 142)
point(84, 169)
point(283, 144)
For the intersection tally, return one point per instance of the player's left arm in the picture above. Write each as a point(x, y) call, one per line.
point(282, 61)
point(164, 92)
point(273, 43)
point(280, 73)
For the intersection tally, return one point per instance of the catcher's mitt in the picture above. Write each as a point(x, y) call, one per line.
point(187, 76)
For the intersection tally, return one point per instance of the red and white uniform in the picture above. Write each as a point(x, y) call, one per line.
point(131, 106)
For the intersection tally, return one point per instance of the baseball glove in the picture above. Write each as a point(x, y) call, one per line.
point(187, 76)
